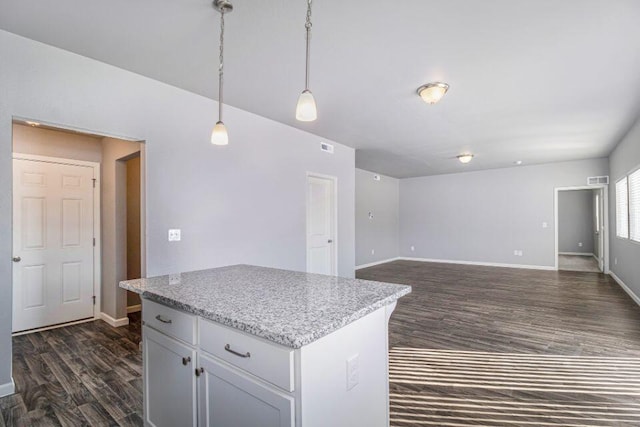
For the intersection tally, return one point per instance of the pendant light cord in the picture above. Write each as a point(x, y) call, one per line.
point(307, 25)
point(221, 66)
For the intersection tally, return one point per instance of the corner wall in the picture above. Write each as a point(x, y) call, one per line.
point(625, 254)
point(379, 234)
point(244, 203)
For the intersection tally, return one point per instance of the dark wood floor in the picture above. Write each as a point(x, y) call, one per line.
point(87, 374)
point(508, 347)
point(470, 346)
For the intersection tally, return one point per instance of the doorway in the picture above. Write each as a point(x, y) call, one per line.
point(322, 249)
point(70, 197)
point(581, 231)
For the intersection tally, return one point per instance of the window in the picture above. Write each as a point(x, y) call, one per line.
point(634, 206)
point(622, 209)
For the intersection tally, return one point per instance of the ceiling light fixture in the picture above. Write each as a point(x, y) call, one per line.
point(34, 124)
point(465, 158)
point(433, 92)
point(306, 110)
point(518, 162)
point(219, 135)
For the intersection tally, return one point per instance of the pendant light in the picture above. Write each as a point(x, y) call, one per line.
point(306, 109)
point(219, 136)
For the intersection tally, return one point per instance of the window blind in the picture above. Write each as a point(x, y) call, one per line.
point(634, 206)
point(622, 209)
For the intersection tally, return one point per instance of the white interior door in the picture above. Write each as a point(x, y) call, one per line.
point(321, 227)
point(52, 243)
point(600, 227)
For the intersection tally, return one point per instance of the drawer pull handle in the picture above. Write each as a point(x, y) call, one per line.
point(186, 360)
point(230, 350)
point(163, 319)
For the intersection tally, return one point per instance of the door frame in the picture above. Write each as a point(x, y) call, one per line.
point(605, 220)
point(97, 252)
point(334, 219)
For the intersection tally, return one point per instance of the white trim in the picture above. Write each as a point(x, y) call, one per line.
point(371, 264)
point(605, 220)
point(486, 264)
point(116, 323)
point(334, 231)
point(627, 289)
point(23, 120)
point(47, 328)
point(578, 254)
point(97, 226)
point(134, 308)
point(7, 389)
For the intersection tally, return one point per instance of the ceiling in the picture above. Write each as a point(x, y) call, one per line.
point(532, 80)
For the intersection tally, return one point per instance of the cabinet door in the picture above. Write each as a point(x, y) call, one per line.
point(169, 381)
point(228, 398)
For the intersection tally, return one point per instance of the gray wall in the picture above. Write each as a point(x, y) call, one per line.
point(624, 158)
point(380, 234)
point(244, 203)
point(484, 216)
point(576, 221)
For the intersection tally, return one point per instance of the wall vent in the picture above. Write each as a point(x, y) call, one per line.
point(326, 147)
point(597, 180)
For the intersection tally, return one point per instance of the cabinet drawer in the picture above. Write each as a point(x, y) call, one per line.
point(169, 321)
point(271, 362)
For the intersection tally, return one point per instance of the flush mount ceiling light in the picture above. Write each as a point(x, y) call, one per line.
point(517, 162)
point(465, 158)
point(306, 109)
point(219, 135)
point(433, 92)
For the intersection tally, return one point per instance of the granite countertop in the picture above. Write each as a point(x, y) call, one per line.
point(285, 307)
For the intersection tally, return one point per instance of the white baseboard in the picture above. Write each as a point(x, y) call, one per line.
point(577, 253)
point(625, 287)
point(371, 264)
point(134, 308)
point(116, 323)
point(485, 264)
point(7, 389)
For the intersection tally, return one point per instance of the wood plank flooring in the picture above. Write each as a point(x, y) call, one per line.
point(86, 374)
point(507, 347)
point(470, 346)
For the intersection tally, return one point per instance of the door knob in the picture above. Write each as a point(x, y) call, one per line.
point(17, 259)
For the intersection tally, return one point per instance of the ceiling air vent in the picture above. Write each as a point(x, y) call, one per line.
point(326, 147)
point(597, 180)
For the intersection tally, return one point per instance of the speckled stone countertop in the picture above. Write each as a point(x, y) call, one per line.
point(286, 307)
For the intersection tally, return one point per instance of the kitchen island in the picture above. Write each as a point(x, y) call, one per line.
point(244, 346)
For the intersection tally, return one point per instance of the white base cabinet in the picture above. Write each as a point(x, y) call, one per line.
point(201, 373)
point(226, 397)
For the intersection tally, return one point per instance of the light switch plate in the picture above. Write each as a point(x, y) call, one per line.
point(353, 371)
point(174, 235)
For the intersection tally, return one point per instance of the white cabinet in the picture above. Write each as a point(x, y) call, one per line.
point(228, 398)
point(169, 381)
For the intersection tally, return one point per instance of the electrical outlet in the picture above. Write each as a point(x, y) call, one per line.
point(370, 215)
point(373, 251)
point(579, 244)
point(353, 371)
point(413, 248)
point(517, 252)
point(174, 235)
point(615, 261)
point(174, 279)
point(545, 225)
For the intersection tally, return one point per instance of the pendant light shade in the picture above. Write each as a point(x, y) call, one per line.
point(306, 109)
point(219, 136)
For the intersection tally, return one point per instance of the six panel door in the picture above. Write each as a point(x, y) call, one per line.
point(53, 270)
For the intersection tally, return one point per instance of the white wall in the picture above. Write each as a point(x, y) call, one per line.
point(576, 224)
point(624, 158)
point(380, 234)
point(484, 216)
point(244, 203)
